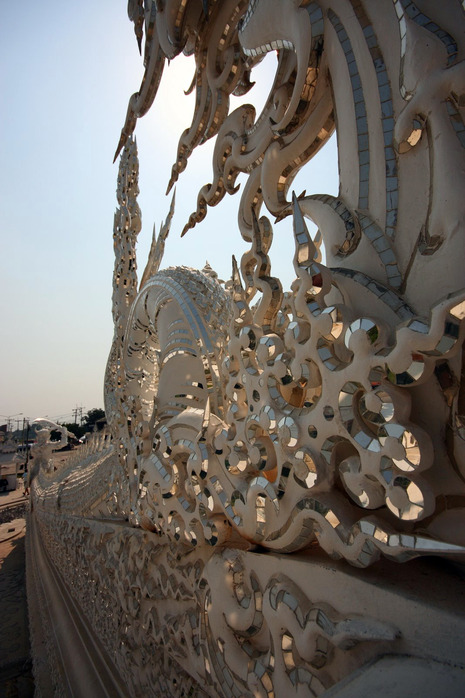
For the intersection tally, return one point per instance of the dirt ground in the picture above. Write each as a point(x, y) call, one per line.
point(16, 679)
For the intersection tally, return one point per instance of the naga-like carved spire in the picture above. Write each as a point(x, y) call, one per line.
point(157, 248)
point(127, 225)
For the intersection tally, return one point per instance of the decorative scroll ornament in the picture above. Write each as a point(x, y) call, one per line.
point(303, 420)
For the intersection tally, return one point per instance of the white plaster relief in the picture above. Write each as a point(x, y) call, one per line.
point(323, 421)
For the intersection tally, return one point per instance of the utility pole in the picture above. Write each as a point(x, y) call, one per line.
point(9, 419)
point(27, 446)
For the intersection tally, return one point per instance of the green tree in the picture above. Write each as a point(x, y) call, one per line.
point(92, 417)
point(75, 429)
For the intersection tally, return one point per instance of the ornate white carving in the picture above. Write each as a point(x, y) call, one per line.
point(43, 447)
point(326, 418)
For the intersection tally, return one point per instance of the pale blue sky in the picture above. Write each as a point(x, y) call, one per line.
point(67, 72)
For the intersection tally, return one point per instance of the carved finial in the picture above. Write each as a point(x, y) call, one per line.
point(157, 248)
point(207, 269)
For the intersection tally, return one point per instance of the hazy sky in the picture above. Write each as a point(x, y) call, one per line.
point(67, 72)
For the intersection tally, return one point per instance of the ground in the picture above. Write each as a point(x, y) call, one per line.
point(15, 661)
point(16, 680)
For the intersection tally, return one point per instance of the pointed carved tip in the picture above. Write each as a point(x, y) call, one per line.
point(305, 250)
point(299, 221)
point(283, 214)
point(173, 202)
point(121, 144)
point(190, 89)
point(236, 282)
point(185, 229)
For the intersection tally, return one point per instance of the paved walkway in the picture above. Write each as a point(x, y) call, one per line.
point(16, 679)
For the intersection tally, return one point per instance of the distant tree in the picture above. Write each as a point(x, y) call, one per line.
point(92, 417)
point(75, 429)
